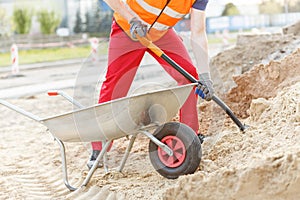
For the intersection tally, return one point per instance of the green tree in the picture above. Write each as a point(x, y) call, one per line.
point(78, 23)
point(230, 10)
point(22, 20)
point(49, 21)
point(4, 26)
point(294, 5)
point(98, 20)
point(270, 7)
point(88, 23)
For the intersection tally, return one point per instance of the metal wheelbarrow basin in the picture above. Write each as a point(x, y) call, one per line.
point(174, 148)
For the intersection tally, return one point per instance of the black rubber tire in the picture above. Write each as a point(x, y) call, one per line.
point(192, 145)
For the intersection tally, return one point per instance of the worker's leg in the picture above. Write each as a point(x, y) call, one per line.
point(173, 46)
point(124, 58)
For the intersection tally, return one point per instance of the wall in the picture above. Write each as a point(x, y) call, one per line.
point(241, 22)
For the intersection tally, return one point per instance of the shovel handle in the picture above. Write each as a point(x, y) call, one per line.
point(149, 44)
point(157, 51)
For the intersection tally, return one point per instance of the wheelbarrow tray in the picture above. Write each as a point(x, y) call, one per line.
point(120, 117)
point(112, 120)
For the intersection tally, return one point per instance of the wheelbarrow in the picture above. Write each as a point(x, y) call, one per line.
point(174, 148)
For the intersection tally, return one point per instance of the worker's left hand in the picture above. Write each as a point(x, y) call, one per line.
point(205, 87)
point(137, 27)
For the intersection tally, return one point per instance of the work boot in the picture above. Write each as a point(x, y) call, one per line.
point(201, 137)
point(93, 158)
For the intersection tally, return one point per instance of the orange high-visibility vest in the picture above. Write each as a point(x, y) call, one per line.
point(158, 15)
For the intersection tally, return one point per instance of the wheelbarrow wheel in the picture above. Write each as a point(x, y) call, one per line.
point(186, 149)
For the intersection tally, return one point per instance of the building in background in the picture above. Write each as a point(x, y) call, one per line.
point(94, 12)
point(216, 7)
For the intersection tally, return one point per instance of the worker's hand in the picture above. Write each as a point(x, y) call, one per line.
point(136, 27)
point(205, 87)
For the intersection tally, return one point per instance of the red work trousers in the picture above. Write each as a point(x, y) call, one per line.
point(124, 57)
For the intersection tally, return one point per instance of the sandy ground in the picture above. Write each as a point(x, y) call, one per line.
point(31, 166)
point(262, 163)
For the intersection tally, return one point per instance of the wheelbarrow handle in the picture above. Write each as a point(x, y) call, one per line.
point(66, 96)
point(157, 51)
point(20, 110)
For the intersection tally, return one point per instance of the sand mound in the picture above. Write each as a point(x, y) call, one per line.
point(292, 29)
point(250, 50)
point(263, 163)
point(264, 81)
point(274, 177)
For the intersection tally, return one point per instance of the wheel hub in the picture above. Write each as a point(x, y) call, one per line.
point(178, 148)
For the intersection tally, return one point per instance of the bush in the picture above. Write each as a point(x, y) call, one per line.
point(48, 20)
point(270, 7)
point(22, 20)
point(230, 10)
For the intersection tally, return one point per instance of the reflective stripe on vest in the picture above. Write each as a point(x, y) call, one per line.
point(149, 11)
point(156, 25)
point(156, 11)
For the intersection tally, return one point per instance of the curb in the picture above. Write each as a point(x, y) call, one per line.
point(44, 64)
point(49, 64)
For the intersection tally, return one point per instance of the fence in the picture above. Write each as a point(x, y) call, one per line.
point(240, 22)
point(214, 24)
point(40, 41)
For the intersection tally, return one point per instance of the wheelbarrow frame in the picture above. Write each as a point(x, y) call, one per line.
point(143, 129)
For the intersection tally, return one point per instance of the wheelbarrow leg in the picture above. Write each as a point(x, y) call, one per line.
point(105, 159)
point(128, 149)
point(95, 165)
point(64, 164)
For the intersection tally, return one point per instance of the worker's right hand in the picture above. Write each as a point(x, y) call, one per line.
point(205, 87)
point(136, 27)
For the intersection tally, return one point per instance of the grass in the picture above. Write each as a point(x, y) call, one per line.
point(49, 54)
point(55, 54)
point(219, 40)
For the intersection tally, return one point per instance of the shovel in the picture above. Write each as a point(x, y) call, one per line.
point(157, 51)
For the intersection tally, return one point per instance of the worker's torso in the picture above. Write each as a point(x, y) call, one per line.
point(159, 16)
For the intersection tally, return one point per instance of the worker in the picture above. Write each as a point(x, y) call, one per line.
point(155, 20)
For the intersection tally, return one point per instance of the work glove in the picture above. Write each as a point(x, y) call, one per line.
point(136, 27)
point(205, 87)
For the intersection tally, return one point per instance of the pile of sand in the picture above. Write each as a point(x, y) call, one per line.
point(263, 163)
point(259, 65)
point(250, 50)
point(264, 81)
